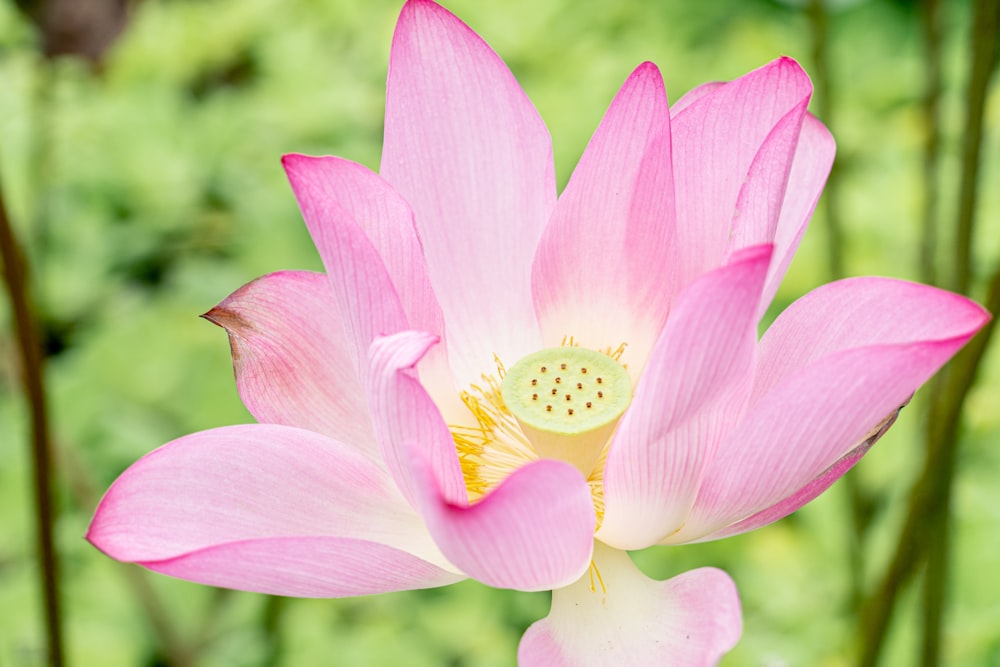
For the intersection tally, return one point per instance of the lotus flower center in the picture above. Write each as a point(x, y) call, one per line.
point(568, 401)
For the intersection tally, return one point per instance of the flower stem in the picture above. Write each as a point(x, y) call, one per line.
point(16, 278)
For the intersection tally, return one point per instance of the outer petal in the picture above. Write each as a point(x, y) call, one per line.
point(267, 508)
point(292, 357)
point(859, 312)
point(468, 151)
point(694, 386)
point(832, 368)
point(715, 140)
point(808, 492)
point(306, 567)
point(810, 168)
point(331, 183)
point(332, 207)
point(624, 618)
point(606, 249)
point(533, 532)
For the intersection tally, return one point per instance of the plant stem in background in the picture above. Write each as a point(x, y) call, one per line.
point(926, 529)
point(944, 425)
point(931, 19)
point(175, 650)
point(16, 278)
point(819, 22)
point(984, 55)
point(859, 503)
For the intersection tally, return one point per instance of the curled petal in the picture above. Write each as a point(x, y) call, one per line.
point(404, 413)
point(606, 249)
point(466, 148)
point(293, 358)
point(615, 615)
point(257, 490)
point(533, 532)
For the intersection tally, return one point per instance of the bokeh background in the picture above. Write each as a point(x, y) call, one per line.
point(139, 166)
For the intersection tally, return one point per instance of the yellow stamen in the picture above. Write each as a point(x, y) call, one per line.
point(593, 589)
point(497, 441)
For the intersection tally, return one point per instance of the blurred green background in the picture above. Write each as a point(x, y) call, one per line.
point(147, 186)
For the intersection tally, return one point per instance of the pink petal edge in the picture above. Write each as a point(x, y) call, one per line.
point(534, 532)
point(606, 249)
point(625, 618)
point(466, 148)
point(257, 487)
point(293, 359)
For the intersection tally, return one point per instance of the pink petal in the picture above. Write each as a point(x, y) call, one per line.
point(329, 184)
point(263, 491)
point(810, 168)
point(307, 567)
point(625, 618)
point(808, 492)
point(292, 357)
point(606, 249)
point(715, 140)
point(831, 369)
point(367, 300)
point(468, 151)
point(760, 200)
point(404, 413)
point(692, 96)
point(693, 388)
point(859, 312)
point(534, 532)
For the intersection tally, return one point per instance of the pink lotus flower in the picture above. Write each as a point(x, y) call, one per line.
point(493, 383)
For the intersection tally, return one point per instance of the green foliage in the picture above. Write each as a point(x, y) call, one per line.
point(151, 188)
